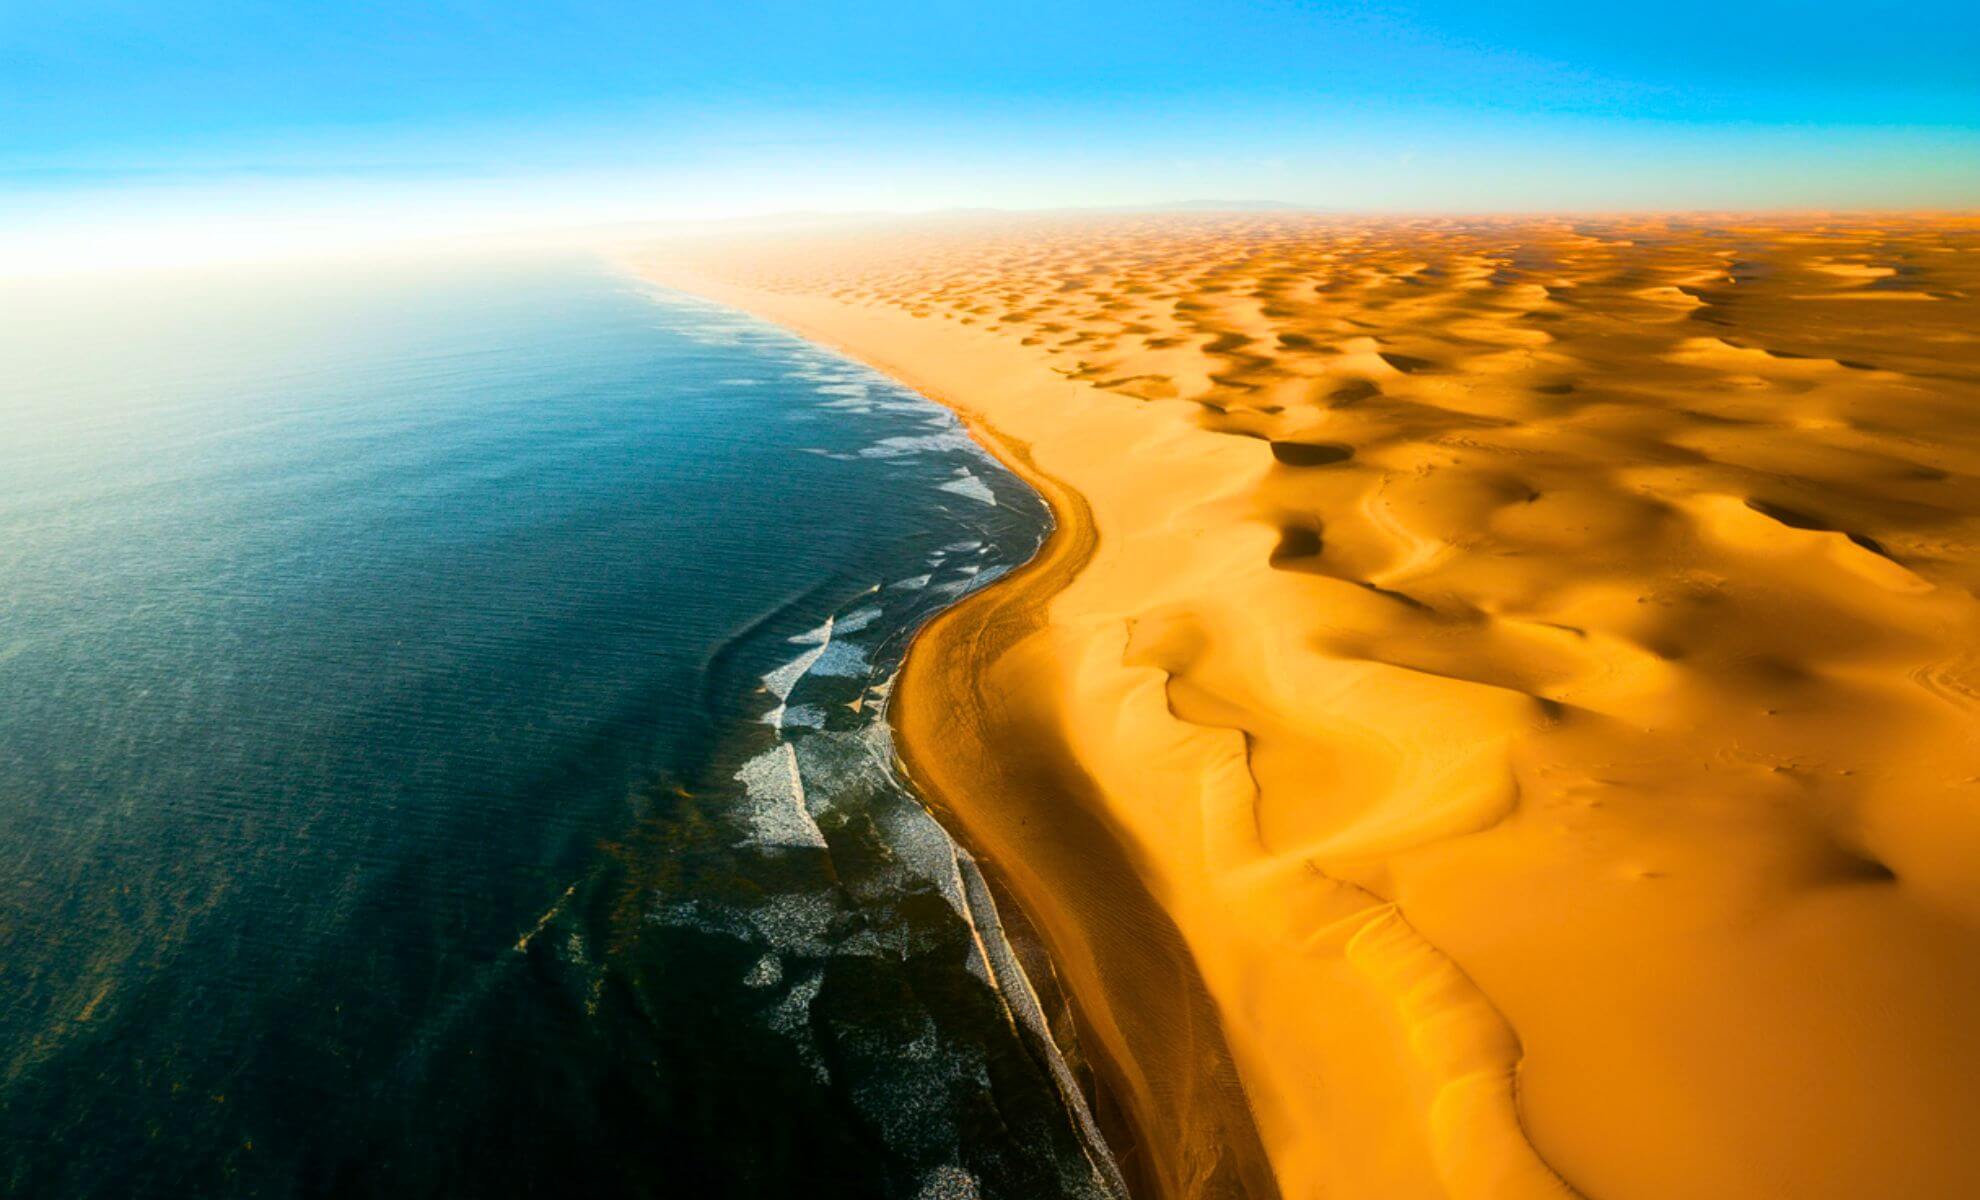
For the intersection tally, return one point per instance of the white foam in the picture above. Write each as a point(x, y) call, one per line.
point(859, 619)
point(816, 636)
point(949, 1183)
point(967, 484)
point(843, 762)
point(777, 813)
point(792, 1018)
point(924, 443)
point(780, 681)
point(767, 972)
point(795, 716)
point(843, 660)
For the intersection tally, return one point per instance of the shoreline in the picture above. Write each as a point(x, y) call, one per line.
point(1208, 1141)
point(1001, 955)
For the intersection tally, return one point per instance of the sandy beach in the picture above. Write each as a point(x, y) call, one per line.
point(1500, 715)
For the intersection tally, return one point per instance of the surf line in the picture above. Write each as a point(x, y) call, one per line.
point(784, 679)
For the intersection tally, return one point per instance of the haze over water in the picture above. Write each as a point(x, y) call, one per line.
point(440, 751)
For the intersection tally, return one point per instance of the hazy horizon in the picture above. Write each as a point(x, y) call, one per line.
point(140, 133)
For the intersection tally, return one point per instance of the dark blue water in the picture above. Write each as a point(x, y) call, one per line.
point(442, 753)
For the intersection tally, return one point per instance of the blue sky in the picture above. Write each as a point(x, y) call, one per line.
point(366, 113)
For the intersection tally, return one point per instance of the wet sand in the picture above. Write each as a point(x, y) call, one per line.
point(1498, 718)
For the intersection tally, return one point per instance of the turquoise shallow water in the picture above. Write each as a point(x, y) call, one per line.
point(441, 754)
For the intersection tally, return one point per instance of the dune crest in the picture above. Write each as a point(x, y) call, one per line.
point(1501, 715)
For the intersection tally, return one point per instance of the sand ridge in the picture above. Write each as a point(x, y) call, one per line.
point(1510, 722)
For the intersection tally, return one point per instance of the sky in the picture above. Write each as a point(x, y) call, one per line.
point(141, 130)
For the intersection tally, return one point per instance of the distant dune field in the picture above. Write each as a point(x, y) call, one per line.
point(1501, 714)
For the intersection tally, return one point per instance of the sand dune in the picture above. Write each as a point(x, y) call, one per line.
point(1501, 717)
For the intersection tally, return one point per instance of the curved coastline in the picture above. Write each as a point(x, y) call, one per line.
point(649, 702)
point(1002, 781)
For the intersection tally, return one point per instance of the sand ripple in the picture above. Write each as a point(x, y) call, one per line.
point(1503, 703)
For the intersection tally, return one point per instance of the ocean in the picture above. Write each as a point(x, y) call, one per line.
point(443, 753)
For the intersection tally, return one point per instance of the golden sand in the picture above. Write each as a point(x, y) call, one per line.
point(1498, 718)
